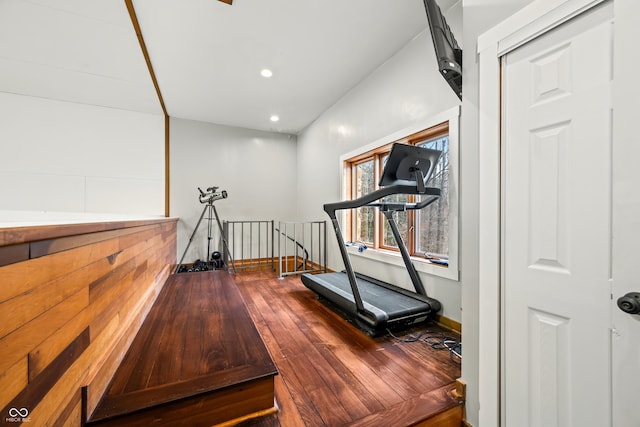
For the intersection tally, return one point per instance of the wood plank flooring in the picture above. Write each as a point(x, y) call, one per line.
point(332, 374)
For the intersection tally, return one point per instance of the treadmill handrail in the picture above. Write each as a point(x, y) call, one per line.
point(401, 206)
point(330, 208)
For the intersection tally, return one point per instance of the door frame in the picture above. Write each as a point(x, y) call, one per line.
point(533, 20)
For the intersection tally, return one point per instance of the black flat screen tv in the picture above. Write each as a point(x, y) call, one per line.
point(448, 53)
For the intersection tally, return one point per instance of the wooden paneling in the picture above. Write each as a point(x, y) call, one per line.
point(69, 306)
point(38, 387)
point(14, 253)
point(29, 234)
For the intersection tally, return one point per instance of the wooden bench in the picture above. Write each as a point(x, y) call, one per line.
point(196, 360)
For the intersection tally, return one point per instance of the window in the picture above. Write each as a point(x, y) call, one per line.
point(430, 234)
point(432, 223)
point(364, 217)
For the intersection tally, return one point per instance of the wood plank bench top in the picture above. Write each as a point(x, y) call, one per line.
point(197, 338)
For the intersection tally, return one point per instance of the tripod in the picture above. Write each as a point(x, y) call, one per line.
point(209, 209)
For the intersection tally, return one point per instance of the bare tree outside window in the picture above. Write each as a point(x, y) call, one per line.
point(364, 184)
point(432, 222)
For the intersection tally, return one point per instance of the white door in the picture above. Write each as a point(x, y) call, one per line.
point(557, 225)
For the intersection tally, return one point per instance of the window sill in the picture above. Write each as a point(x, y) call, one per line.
point(422, 265)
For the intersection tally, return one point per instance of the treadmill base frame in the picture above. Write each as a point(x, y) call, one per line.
point(393, 325)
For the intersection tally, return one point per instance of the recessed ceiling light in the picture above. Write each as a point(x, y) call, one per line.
point(274, 118)
point(266, 72)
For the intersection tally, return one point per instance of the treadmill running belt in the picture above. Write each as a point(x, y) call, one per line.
point(384, 304)
point(382, 298)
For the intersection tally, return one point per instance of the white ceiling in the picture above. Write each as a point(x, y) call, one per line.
point(74, 50)
point(206, 55)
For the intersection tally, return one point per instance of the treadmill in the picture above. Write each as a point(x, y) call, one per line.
point(373, 305)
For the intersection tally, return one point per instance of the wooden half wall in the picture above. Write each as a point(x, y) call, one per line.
point(72, 298)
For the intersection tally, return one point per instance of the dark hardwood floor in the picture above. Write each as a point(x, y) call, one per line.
point(332, 374)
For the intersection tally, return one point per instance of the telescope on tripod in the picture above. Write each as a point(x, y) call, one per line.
point(207, 198)
point(211, 195)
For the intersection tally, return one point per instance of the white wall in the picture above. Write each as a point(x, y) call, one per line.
point(257, 169)
point(63, 157)
point(479, 15)
point(405, 90)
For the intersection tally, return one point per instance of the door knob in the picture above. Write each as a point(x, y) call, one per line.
point(630, 303)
